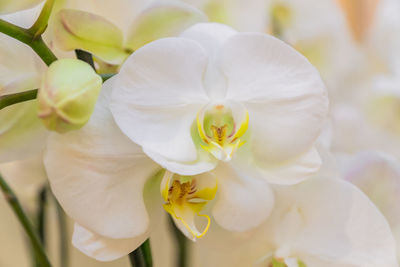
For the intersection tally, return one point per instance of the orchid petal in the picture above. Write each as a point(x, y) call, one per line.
point(98, 175)
point(243, 202)
point(162, 19)
point(104, 248)
point(75, 29)
point(21, 132)
point(292, 172)
point(157, 95)
point(334, 210)
point(283, 93)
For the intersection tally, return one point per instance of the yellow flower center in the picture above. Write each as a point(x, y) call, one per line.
point(217, 128)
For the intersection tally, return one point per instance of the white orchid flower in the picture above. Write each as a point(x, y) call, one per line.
point(320, 222)
point(99, 173)
point(378, 176)
point(241, 15)
point(238, 101)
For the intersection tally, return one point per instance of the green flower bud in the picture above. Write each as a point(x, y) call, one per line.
point(68, 95)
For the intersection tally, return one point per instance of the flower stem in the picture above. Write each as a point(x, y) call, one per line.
point(63, 232)
point(7, 100)
point(85, 56)
point(141, 257)
point(25, 36)
point(26, 224)
point(181, 246)
point(106, 76)
point(41, 219)
point(41, 215)
point(41, 23)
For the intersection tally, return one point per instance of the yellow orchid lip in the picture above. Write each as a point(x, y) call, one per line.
point(185, 198)
point(217, 129)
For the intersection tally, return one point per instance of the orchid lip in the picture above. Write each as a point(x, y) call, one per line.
point(217, 125)
point(186, 197)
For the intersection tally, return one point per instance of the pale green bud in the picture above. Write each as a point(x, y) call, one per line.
point(68, 95)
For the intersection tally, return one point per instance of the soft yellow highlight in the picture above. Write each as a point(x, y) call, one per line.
point(217, 130)
point(185, 200)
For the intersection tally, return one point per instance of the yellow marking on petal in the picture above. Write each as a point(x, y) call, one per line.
point(204, 231)
point(243, 128)
point(200, 130)
point(165, 184)
point(207, 193)
point(185, 200)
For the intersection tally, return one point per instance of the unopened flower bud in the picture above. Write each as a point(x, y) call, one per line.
point(68, 95)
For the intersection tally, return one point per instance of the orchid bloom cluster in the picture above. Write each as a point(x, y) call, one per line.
point(214, 113)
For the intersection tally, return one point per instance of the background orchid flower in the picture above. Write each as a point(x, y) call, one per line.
point(113, 30)
point(11, 6)
point(21, 132)
point(320, 222)
point(27, 177)
point(241, 15)
point(378, 176)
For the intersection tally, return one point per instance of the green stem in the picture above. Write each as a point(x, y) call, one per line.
point(7, 100)
point(41, 23)
point(26, 224)
point(181, 246)
point(41, 219)
point(25, 36)
point(141, 257)
point(85, 56)
point(63, 232)
point(106, 76)
point(41, 215)
point(15, 31)
point(43, 51)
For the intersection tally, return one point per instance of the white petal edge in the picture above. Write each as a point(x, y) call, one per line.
point(103, 248)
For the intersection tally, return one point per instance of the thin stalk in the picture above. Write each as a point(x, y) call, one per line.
point(41, 23)
point(85, 56)
point(26, 224)
point(141, 257)
point(7, 100)
point(43, 51)
point(63, 232)
point(15, 31)
point(41, 219)
point(25, 36)
point(41, 215)
point(106, 76)
point(181, 246)
point(146, 248)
